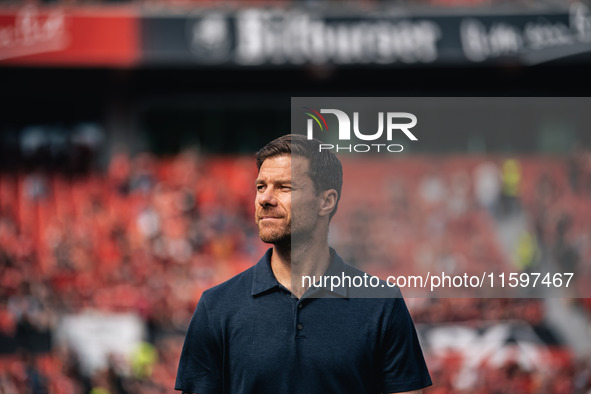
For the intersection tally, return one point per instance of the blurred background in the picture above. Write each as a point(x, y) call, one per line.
point(127, 134)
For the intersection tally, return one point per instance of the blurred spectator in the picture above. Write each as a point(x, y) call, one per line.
point(35, 186)
point(510, 186)
point(487, 185)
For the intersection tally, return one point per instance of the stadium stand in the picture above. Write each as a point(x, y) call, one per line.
point(149, 235)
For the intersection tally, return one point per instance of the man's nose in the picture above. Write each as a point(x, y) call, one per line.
point(267, 197)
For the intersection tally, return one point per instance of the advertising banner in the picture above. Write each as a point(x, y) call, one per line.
point(386, 37)
point(60, 36)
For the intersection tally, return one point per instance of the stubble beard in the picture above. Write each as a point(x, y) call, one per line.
point(275, 233)
point(288, 234)
point(280, 236)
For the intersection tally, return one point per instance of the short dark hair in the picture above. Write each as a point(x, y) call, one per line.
point(325, 169)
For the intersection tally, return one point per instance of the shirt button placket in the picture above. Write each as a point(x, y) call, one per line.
point(299, 325)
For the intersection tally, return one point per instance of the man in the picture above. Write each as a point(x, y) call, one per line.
point(267, 331)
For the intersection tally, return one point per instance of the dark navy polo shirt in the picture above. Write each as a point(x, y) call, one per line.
point(250, 335)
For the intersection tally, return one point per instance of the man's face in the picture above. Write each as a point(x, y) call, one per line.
point(285, 191)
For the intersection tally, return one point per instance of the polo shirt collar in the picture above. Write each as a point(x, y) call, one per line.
point(264, 279)
point(336, 268)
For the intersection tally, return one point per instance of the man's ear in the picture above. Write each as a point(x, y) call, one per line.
point(328, 202)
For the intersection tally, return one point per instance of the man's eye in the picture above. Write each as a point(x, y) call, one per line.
point(285, 187)
point(260, 188)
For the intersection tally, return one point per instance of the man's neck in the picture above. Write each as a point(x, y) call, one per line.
point(289, 264)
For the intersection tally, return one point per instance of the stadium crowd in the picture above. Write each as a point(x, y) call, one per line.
point(148, 235)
